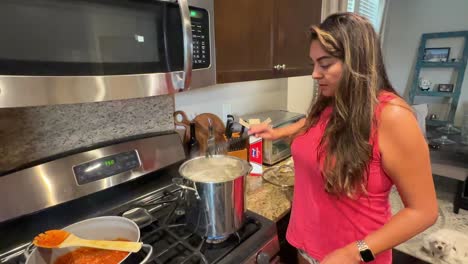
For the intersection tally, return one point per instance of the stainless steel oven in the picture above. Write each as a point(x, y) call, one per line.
point(74, 51)
point(128, 177)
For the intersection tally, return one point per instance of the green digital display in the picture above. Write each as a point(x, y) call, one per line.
point(109, 163)
point(196, 14)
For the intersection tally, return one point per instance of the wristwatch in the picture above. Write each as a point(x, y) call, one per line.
point(365, 251)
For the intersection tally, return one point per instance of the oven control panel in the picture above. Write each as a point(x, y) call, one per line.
point(102, 168)
point(201, 38)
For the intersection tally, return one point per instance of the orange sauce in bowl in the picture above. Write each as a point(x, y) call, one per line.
point(92, 256)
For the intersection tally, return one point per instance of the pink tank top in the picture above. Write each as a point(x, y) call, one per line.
point(321, 223)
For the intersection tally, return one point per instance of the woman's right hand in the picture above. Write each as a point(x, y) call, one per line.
point(264, 130)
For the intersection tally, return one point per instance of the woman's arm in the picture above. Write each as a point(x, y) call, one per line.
point(405, 158)
point(265, 131)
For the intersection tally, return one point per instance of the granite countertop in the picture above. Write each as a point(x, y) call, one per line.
point(267, 199)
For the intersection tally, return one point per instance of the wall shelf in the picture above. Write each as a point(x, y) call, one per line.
point(425, 64)
point(458, 66)
point(435, 122)
point(432, 93)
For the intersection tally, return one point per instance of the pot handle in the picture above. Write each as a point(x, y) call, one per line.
point(179, 182)
point(28, 250)
point(149, 254)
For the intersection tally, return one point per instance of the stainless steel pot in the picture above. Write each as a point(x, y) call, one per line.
point(221, 193)
point(102, 228)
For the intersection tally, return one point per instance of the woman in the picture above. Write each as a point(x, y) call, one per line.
point(358, 140)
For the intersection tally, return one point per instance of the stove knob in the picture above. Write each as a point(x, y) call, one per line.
point(263, 258)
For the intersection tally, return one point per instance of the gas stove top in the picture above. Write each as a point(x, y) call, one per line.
point(181, 245)
point(178, 239)
point(168, 221)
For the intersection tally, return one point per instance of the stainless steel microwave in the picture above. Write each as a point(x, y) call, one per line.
point(75, 51)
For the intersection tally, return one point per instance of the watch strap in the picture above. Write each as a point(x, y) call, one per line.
point(366, 253)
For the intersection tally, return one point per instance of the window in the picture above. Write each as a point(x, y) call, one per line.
point(372, 9)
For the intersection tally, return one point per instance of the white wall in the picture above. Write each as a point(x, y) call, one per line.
point(406, 21)
point(292, 94)
point(242, 97)
point(300, 94)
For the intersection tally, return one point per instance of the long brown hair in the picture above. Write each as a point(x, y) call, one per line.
point(352, 39)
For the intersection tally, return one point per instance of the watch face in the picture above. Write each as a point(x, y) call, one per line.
point(367, 255)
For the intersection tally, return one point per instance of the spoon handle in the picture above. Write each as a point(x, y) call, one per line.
point(73, 241)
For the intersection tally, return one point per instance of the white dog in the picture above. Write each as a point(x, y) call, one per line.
point(447, 246)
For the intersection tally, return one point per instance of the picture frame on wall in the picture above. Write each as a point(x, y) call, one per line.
point(445, 87)
point(436, 54)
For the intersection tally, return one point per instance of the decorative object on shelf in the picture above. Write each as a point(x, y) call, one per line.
point(449, 129)
point(442, 140)
point(433, 117)
point(436, 54)
point(445, 87)
point(424, 84)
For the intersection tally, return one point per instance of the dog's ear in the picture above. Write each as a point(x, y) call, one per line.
point(432, 238)
point(427, 243)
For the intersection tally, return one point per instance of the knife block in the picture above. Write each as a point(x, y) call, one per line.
point(241, 154)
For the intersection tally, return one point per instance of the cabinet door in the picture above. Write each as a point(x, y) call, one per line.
point(244, 40)
point(293, 20)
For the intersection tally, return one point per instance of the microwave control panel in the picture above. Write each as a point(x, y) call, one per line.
point(201, 38)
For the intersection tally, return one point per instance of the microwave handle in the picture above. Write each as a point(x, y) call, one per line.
point(184, 83)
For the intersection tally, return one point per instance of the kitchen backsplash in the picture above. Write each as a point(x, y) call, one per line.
point(28, 134)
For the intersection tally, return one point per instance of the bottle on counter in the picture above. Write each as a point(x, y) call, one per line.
point(193, 148)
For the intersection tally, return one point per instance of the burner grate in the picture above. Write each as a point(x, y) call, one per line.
point(181, 231)
point(195, 259)
point(147, 230)
point(194, 240)
point(175, 255)
point(161, 241)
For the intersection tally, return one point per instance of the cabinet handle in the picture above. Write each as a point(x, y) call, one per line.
point(279, 67)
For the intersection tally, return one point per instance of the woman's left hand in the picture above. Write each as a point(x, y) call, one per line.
point(345, 255)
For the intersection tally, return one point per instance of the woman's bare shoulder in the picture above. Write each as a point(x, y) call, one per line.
point(396, 110)
point(398, 119)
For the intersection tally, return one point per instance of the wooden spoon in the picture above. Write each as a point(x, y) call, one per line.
point(63, 239)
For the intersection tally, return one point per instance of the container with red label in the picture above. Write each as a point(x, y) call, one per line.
point(255, 155)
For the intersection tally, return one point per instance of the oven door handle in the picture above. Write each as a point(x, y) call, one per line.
point(184, 83)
